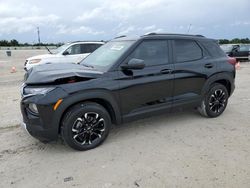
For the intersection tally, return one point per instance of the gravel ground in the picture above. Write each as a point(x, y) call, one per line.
point(174, 150)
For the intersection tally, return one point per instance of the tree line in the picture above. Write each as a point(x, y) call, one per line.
point(235, 41)
point(14, 42)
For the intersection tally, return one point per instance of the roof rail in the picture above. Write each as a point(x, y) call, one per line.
point(86, 41)
point(120, 36)
point(200, 35)
point(152, 33)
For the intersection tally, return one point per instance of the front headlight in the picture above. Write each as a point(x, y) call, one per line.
point(33, 108)
point(34, 61)
point(37, 91)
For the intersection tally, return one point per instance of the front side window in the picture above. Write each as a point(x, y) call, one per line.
point(74, 49)
point(61, 49)
point(187, 50)
point(153, 52)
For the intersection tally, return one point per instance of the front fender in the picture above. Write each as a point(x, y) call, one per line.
point(85, 96)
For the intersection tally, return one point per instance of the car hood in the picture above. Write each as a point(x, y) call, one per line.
point(43, 56)
point(49, 73)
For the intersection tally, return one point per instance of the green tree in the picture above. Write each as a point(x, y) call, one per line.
point(4, 43)
point(14, 42)
point(224, 41)
point(236, 41)
point(245, 41)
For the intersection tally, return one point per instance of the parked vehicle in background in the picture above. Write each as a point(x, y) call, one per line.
point(238, 51)
point(72, 52)
point(124, 80)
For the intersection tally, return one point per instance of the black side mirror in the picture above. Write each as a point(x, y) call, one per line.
point(134, 64)
point(65, 53)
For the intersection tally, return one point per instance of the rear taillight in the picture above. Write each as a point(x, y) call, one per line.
point(232, 61)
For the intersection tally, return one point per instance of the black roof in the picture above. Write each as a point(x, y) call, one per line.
point(155, 35)
point(172, 34)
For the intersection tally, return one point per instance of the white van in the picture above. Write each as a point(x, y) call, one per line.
point(72, 52)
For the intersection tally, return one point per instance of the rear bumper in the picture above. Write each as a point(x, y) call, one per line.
point(242, 58)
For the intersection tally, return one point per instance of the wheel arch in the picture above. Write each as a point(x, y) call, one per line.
point(226, 83)
point(225, 79)
point(104, 99)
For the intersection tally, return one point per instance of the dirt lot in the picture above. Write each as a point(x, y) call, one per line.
point(173, 150)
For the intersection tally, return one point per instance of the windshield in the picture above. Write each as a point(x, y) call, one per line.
point(61, 48)
point(226, 48)
point(105, 56)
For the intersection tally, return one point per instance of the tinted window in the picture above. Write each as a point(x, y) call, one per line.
point(153, 52)
point(214, 49)
point(89, 48)
point(105, 56)
point(74, 49)
point(244, 48)
point(187, 50)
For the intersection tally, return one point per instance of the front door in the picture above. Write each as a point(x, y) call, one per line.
point(151, 87)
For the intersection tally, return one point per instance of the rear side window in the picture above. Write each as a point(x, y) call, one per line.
point(187, 50)
point(153, 52)
point(89, 48)
point(244, 48)
point(213, 48)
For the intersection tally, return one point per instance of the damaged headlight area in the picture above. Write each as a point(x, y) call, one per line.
point(36, 90)
point(33, 108)
point(34, 61)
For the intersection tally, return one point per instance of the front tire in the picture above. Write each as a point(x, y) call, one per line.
point(215, 101)
point(85, 126)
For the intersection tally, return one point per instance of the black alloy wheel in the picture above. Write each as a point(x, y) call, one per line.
point(85, 126)
point(215, 101)
point(88, 129)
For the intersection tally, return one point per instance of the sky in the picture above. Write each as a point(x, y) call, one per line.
point(64, 20)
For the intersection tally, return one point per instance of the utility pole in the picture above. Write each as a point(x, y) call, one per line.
point(38, 35)
point(189, 28)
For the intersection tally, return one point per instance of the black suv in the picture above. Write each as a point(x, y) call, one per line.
point(124, 80)
point(238, 51)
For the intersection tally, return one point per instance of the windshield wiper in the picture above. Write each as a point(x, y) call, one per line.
point(48, 49)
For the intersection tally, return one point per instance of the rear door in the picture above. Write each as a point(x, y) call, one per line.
point(190, 71)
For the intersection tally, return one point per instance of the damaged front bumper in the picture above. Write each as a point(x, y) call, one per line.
point(43, 125)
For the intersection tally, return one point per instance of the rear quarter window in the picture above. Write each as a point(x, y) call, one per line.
point(187, 50)
point(213, 48)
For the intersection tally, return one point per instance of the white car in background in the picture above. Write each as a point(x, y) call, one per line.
point(72, 52)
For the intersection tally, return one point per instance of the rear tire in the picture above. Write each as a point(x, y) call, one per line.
point(215, 101)
point(85, 126)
